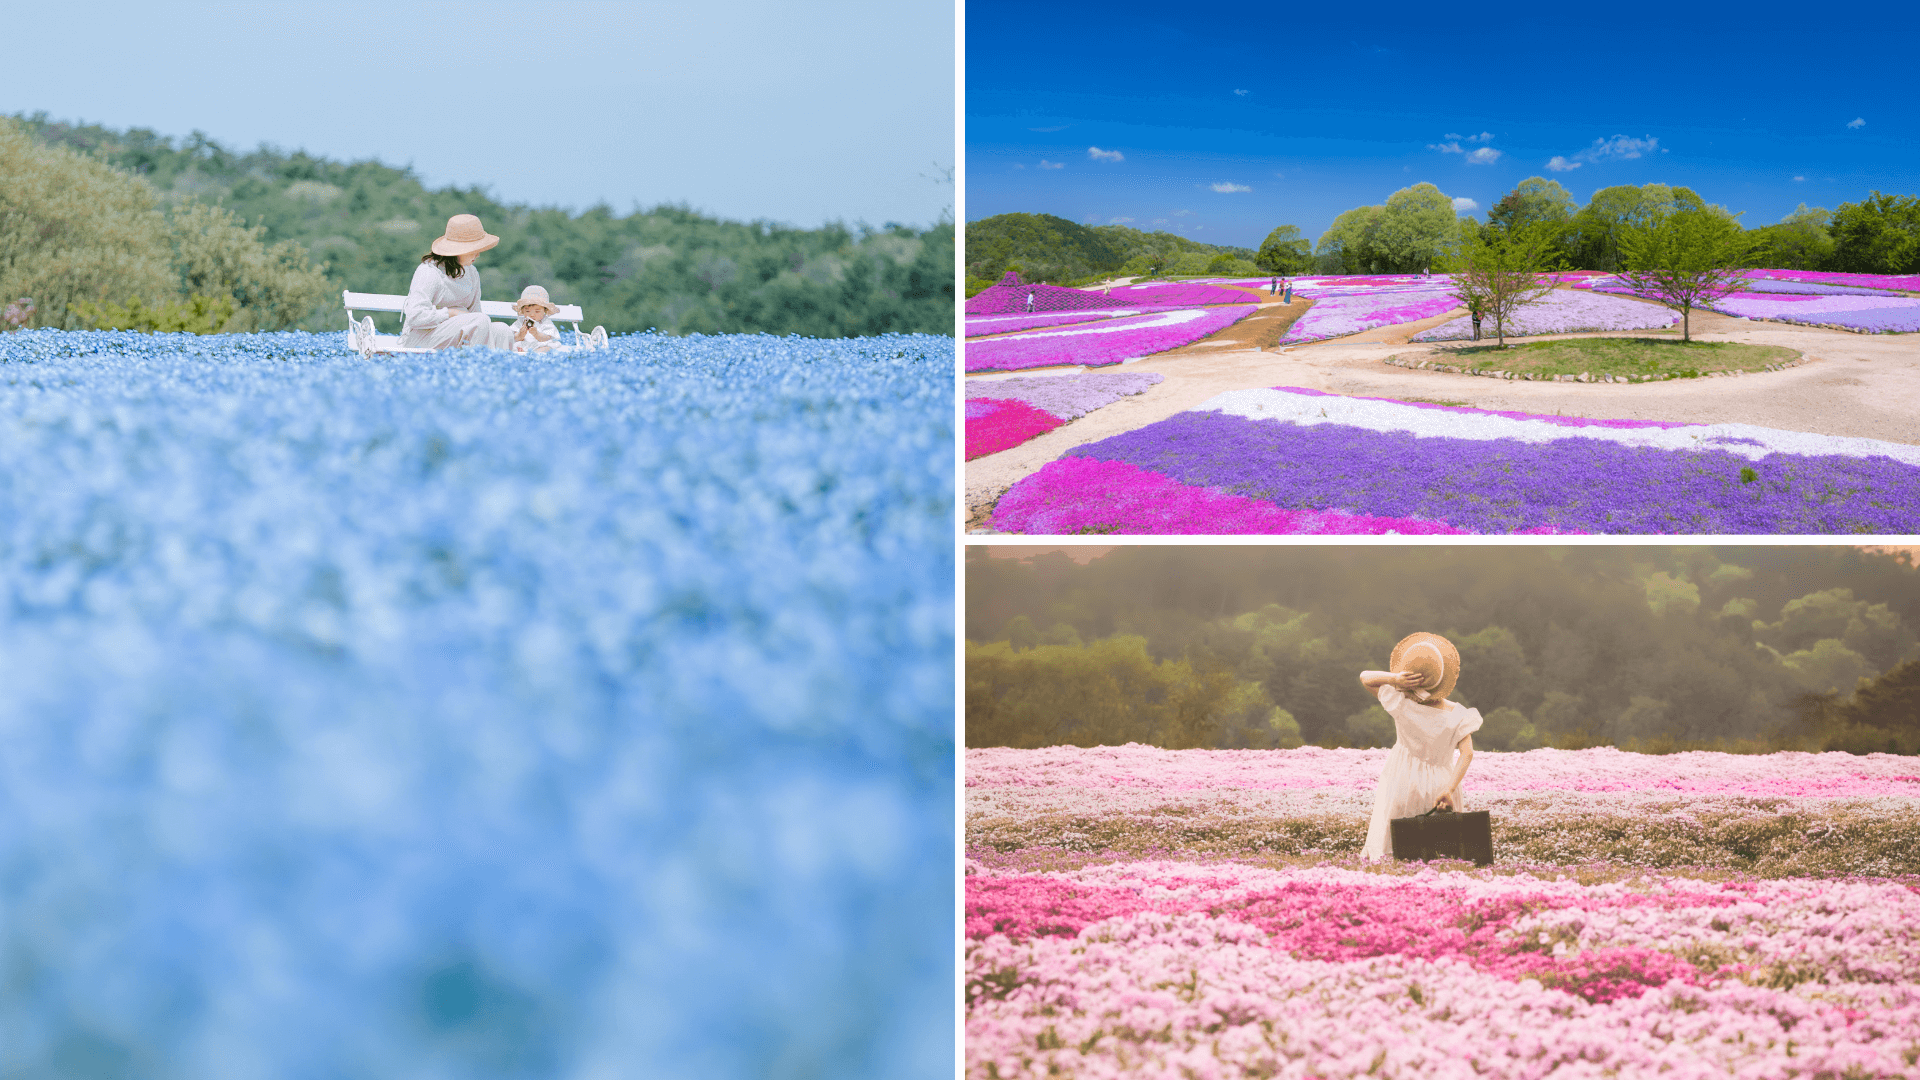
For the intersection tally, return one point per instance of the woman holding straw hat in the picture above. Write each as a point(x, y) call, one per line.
point(1422, 771)
point(443, 303)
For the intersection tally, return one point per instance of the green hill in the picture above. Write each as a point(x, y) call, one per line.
point(668, 267)
point(1042, 247)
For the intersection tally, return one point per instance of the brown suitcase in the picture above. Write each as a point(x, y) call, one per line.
point(1443, 834)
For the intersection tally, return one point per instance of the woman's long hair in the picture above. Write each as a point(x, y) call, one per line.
point(448, 264)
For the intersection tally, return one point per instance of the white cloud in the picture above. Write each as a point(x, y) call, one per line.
point(1857, 122)
point(1056, 127)
point(1486, 155)
point(1159, 221)
point(1485, 136)
point(1045, 164)
point(1618, 148)
point(1241, 93)
point(1098, 154)
point(1460, 204)
point(1448, 147)
point(1018, 165)
point(1228, 187)
point(1119, 221)
point(1279, 176)
point(1181, 213)
point(1799, 178)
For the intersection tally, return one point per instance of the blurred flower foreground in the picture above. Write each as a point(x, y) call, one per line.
point(466, 715)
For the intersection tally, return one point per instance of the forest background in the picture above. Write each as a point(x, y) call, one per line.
point(1418, 227)
point(1655, 649)
point(101, 226)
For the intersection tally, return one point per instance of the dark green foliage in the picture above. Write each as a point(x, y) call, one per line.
point(1657, 648)
point(1042, 247)
point(667, 268)
point(1039, 247)
point(1285, 251)
point(1877, 235)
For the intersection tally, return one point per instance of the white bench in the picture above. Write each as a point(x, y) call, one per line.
point(362, 339)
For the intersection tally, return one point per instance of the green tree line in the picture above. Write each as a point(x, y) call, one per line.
point(1647, 648)
point(138, 228)
point(1417, 228)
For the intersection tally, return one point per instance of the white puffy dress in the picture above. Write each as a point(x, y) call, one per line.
point(1419, 768)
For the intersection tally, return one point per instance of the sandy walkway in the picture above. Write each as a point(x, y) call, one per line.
point(1857, 384)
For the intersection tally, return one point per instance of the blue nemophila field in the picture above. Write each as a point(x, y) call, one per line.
point(474, 715)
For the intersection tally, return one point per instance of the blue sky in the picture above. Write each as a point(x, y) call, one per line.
point(750, 109)
point(1223, 121)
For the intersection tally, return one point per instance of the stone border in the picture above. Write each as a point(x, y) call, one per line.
point(1583, 377)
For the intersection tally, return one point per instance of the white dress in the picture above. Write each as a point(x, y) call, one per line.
point(428, 326)
point(1419, 768)
point(529, 344)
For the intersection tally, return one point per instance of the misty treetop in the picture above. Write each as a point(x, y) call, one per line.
point(1647, 647)
point(364, 225)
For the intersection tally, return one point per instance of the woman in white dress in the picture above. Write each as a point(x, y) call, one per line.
point(443, 303)
point(1422, 771)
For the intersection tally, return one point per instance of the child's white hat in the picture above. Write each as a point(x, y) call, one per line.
point(534, 294)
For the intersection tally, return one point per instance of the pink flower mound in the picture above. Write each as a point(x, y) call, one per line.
point(996, 424)
point(1599, 770)
point(1083, 495)
point(1181, 294)
point(1009, 324)
point(1344, 922)
point(1563, 421)
point(1029, 907)
point(1010, 296)
point(1104, 343)
point(1901, 282)
point(1338, 316)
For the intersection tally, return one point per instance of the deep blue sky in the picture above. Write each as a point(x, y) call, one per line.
point(752, 109)
point(1316, 108)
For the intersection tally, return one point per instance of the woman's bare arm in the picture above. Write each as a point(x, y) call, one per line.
point(1452, 798)
point(1405, 680)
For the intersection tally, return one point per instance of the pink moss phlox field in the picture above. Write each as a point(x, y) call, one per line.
point(1180, 294)
point(1562, 312)
point(1010, 296)
point(1897, 282)
point(1068, 397)
point(1338, 316)
point(1080, 494)
point(1101, 344)
point(1189, 993)
point(1601, 769)
point(996, 424)
point(1010, 324)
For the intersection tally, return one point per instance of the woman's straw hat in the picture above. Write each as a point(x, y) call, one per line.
point(1429, 654)
point(532, 295)
point(464, 234)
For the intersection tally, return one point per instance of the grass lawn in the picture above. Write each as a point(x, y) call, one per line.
point(1632, 357)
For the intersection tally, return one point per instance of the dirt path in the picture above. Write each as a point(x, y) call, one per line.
point(1859, 385)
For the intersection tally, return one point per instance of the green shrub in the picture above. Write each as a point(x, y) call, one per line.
point(194, 315)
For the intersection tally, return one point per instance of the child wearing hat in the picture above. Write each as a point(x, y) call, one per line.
point(533, 331)
point(1421, 771)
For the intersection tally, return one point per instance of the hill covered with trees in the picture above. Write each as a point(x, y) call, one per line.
point(1652, 648)
point(1042, 247)
point(364, 225)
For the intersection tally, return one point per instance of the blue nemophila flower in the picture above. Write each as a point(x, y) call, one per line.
point(473, 715)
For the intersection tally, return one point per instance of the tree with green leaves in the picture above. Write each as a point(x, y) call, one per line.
point(1285, 251)
point(1532, 201)
point(1686, 259)
point(1415, 229)
point(1877, 235)
point(1347, 247)
point(1497, 271)
point(1801, 241)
